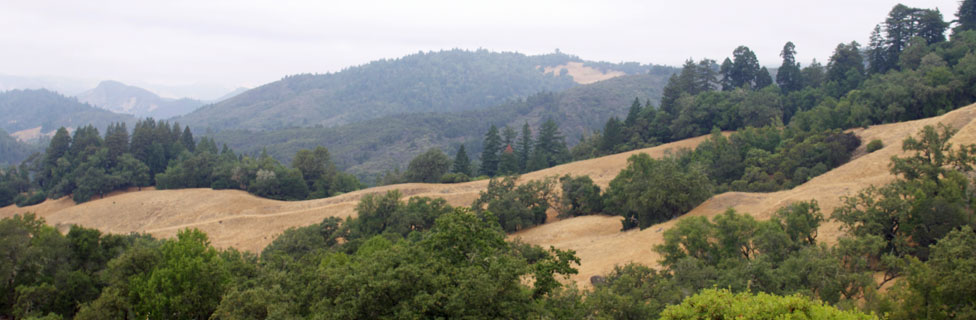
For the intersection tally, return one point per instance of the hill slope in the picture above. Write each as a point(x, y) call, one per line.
point(370, 147)
point(121, 98)
point(234, 218)
point(444, 81)
point(45, 111)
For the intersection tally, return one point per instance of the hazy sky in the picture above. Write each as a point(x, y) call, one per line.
point(248, 43)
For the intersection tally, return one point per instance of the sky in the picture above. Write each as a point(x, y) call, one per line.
point(249, 43)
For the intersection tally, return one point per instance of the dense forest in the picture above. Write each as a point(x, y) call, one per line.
point(908, 248)
point(443, 81)
point(28, 109)
point(372, 147)
point(13, 151)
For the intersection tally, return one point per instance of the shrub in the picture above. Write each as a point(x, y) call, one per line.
point(875, 145)
point(30, 200)
point(650, 191)
point(455, 178)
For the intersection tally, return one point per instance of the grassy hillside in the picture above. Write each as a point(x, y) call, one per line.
point(444, 81)
point(29, 109)
point(234, 218)
point(372, 146)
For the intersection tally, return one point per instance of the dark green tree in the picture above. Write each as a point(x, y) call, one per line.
point(489, 156)
point(462, 164)
point(763, 79)
point(524, 147)
point(745, 67)
point(187, 139)
point(649, 191)
point(428, 166)
point(965, 17)
point(550, 147)
point(788, 76)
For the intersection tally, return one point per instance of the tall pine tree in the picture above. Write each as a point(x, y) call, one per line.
point(525, 147)
point(462, 164)
point(788, 75)
point(489, 156)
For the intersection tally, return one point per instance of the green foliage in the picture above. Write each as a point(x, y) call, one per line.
point(874, 145)
point(428, 167)
point(462, 164)
point(514, 206)
point(455, 178)
point(490, 155)
point(722, 303)
point(944, 286)
point(928, 200)
point(650, 191)
point(187, 282)
point(632, 291)
point(580, 196)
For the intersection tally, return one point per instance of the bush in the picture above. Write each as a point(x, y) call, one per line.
point(580, 196)
point(875, 145)
point(723, 304)
point(455, 178)
point(30, 200)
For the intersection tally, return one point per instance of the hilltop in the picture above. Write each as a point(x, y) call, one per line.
point(121, 98)
point(368, 148)
point(443, 81)
point(28, 114)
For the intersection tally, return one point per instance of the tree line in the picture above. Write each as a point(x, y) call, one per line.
point(85, 165)
point(908, 71)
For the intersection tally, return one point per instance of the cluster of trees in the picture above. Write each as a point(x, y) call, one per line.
point(909, 71)
point(87, 164)
point(507, 152)
point(312, 174)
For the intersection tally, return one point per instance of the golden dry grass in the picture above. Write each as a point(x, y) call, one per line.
point(582, 74)
point(236, 219)
point(601, 246)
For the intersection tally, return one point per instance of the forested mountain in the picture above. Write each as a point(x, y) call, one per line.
point(370, 147)
point(13, 151)
point(30, 109)
point(121, 98)
point(443, 81)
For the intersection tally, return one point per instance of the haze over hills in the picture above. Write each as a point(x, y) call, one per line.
point(121, 98)
point(443, 81)
point(12, 152)
point(28, 114)
point(368, 148)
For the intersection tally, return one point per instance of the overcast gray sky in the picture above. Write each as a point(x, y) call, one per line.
point(249, 43)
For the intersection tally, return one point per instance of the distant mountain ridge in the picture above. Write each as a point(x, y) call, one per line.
point(369, 147)
point(121, 98)
point(45, 111)
point(443, 81)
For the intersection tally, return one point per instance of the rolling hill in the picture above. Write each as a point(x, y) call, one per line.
point(443, 81)
point(13, 151)
point(28, 114)
point(368, 148)
point(236, 219)
point(121, 98)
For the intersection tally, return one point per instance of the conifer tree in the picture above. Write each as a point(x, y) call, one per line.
point(462, 164)
point(489, 156)
point(788, 75)
point(187, 140)
point(525, 147)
